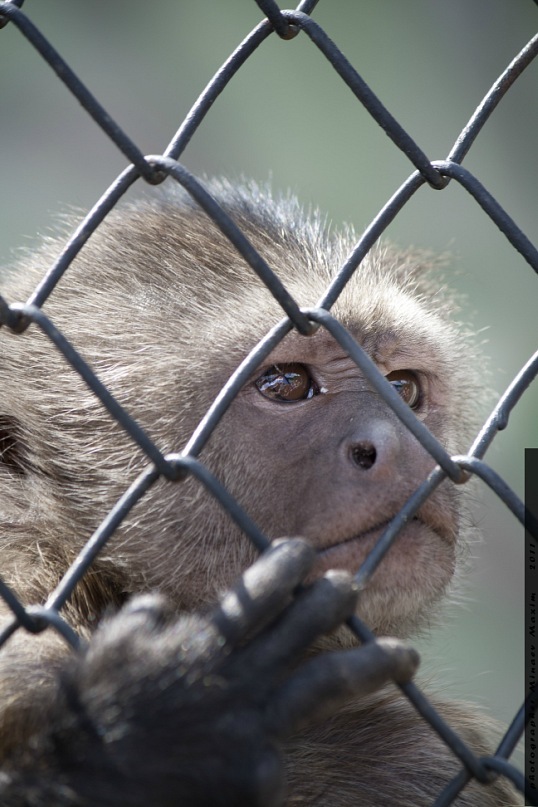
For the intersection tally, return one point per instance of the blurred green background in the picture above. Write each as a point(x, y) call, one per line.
point(288, 116)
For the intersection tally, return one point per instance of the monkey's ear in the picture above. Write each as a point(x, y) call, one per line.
point(12, 449)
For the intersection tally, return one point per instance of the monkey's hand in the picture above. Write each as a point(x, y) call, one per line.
point(190, 711)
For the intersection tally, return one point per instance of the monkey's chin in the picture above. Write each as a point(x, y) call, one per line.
point(410, 579)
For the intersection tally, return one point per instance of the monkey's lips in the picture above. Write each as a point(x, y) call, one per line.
point(350, 553)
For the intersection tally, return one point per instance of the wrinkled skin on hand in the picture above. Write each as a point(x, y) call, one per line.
point(193, 710)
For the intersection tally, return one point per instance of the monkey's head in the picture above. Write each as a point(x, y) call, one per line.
point(164, 309)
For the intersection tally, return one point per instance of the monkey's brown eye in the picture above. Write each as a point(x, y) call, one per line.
point(287, 383)
point(407, 386)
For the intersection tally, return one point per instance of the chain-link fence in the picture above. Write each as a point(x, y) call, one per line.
point(176, 467)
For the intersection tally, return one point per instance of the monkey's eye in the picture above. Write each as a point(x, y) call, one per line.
point(287, 383)
point(407, 386)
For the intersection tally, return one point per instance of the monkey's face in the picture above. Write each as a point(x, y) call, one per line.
point(307, 448)
point(324, 457)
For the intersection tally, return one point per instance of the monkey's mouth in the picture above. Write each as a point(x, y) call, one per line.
point(350, 553)
point(377, 529)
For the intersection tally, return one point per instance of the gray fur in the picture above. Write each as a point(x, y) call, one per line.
point(164, 309)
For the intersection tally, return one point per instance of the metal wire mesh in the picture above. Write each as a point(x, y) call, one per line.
point(176, 467)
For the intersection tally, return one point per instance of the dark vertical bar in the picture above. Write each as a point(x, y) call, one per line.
point(531, 628)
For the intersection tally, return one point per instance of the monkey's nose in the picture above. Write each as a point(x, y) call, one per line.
point(374, 447)
point(363, 454)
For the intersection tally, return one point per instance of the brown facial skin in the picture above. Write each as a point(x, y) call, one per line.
point(340, 464)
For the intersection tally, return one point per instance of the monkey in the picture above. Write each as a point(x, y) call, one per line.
point(164, 308)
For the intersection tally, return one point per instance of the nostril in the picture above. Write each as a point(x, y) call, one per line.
point(363, 454)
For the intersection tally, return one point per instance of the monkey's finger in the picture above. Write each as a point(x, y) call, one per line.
point(317, 610)
point(264, 589)
point(329, 681)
